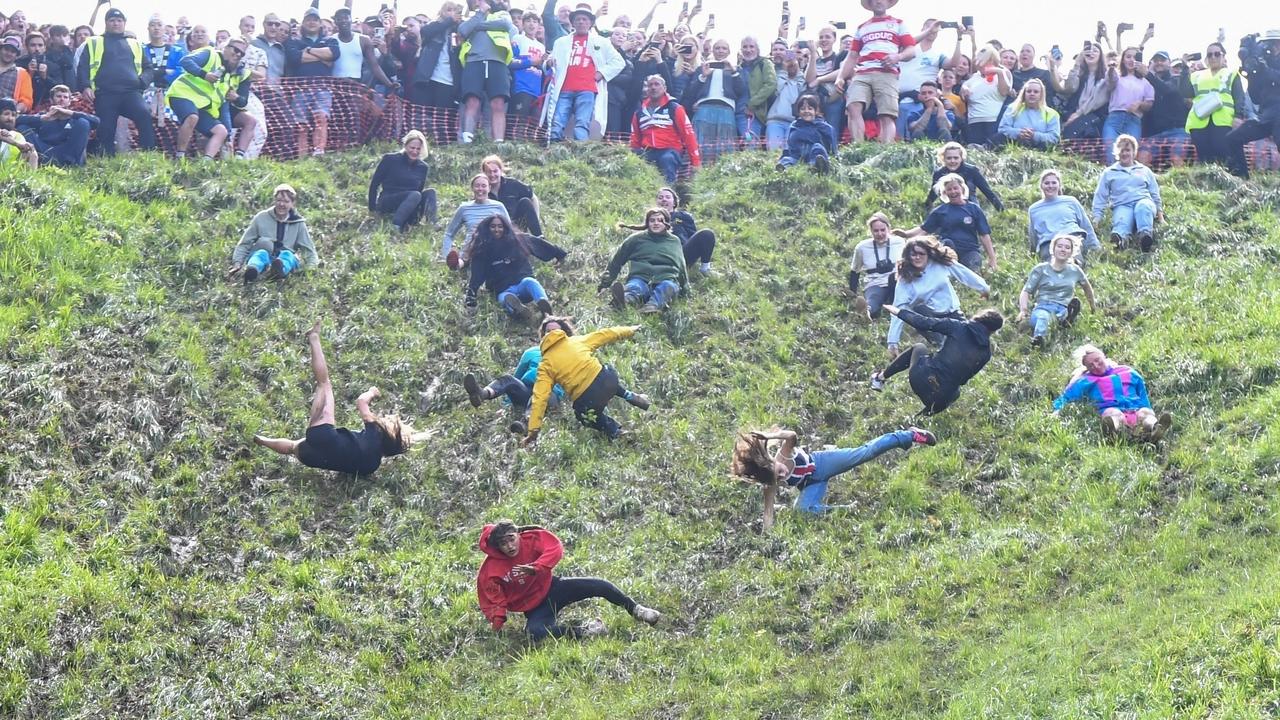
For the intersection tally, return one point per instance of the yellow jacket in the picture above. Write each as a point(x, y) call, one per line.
point(569, 362)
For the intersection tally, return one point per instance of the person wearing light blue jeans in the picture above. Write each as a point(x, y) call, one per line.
point(659, 294)
point(1130, 189)
point(1053, 285)
point(808, 471)
point(1131, 97)
point(576, 105)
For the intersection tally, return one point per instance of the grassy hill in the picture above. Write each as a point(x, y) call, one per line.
point(154, 564)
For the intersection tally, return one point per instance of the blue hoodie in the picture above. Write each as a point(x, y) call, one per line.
point(804, 134)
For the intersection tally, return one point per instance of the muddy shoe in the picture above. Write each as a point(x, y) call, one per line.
point(473, 389)
point(1119, 241)
point(1073, 310)
point(821, 164)
point(519, 311)
point(250, 274)
point(518, 427)
point(617, 295)
point(646, 614)
point(1108, 425)
point(593, 628)
point(639, 400)
point(649, 309)
point(544, 306)
point(1163, 423)
point(1037, 342)
point(1146, 240)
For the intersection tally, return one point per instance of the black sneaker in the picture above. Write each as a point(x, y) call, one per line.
point(1037, 341)
point(473, 389)
point(1163, 423)
point(544, 305)
point(822, 164)
point(618, 295)
point(518, 427)
point(1073, 310)
point(1146, 240)
point(1119, 241)
point(277, 268)
point(639, 400)
point(250, 274)
point(780, 167)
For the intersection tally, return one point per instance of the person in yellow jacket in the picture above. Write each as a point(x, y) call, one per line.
point(568, 360)
point(1218, 104)
point(202, 96)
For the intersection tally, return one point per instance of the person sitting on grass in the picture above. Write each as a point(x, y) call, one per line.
point(277, 238)
point(698, 244)
point(878, 257)
point(1056, 214)
point(923, 283)
point(521, 203)
point(1118, 392)
point(516, 576)
point(657, 270)
point(937, 378)
point(14, 147)
point(951, 159)
point(808, 471)
point(810, 139)
point(469, 215)
point(499, 260)
point(1130, 189)
point(960, 223)
point(1029, 121)
point(399, 184)
point(569, 361)
point(1053, 285)
point(328, 447)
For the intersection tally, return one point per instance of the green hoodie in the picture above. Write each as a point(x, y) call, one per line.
point(653, 258)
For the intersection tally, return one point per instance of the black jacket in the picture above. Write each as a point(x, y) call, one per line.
point(972, 178)
point(498, 266)
point(1170, 108)
point(434, 36)
point(735, 86)
point(964, 352)
point(395, 173)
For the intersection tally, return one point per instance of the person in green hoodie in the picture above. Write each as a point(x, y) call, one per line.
point(277, 239)
point(657, 270)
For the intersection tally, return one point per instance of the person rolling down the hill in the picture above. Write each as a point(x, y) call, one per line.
point(937, 378)
point(276, 239)
point(657, 270)
point(517, 388)
point(399, 185)
point(1056, 214)
point(698, 244)
point(499, 260)
point(516, 576)
point(809, 471)
point(959, 223)
point(1130, 189)
point(924, 285)
point(877, 257)
point(327, 447)
point(1053, 285)
point(568, 360)
point(469, 215)
point(951, 159)
point(1118, 392)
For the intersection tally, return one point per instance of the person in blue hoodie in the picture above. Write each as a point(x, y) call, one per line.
point(810, 139)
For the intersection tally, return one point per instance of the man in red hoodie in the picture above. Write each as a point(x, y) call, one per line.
point(516, 576)
point(661, 128)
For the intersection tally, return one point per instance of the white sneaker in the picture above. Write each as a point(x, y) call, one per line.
point(877, 382)
point(593, 628)
point(646, 614)
point(468, 138)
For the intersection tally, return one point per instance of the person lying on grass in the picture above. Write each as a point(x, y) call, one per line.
point(569, 361)
point(937, 378)
point(516, 577)
point(1118, 392)
point(327, 447)
point(809, 471)
point(1053, 285)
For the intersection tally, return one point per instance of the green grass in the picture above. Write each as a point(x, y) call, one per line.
point(154, 564)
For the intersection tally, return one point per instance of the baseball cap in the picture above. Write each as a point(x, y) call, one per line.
point(12, 42)
point(311, 12)
point(1160, 55)
point(284, 187)
point(115, 14)
point(270, 18)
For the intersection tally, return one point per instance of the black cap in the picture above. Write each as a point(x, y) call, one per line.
point(115, 14)
point(8, 104)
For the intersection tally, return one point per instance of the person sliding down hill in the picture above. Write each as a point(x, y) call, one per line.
point(1118, 392)
point(500, 260)
point(568, 360)
point(937, 378)
point(331, 448)
point(516, 577)
point(657, 269)
point(277, 238)
point(808, 471)
point(517, 388)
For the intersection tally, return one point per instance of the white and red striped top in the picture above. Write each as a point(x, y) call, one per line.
point(877, 38)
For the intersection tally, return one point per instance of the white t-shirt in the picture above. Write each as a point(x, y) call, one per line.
point(443, 71)
point(985, 99)
point(915, 71)
point(867, 255)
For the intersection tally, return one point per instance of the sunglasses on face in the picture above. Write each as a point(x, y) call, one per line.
point(1215, 53)
point(235, 50)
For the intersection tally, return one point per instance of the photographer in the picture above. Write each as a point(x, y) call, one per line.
point(1260, 63)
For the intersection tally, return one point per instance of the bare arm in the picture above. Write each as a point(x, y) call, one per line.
point(366, 47)
point(647, 19)
point(1088, 293)
point(770, 497)
point(989, 249)
point(913, 232)
point(1024, 299)
point(362, 404)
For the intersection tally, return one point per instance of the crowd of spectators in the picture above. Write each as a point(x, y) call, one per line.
point(680, 93)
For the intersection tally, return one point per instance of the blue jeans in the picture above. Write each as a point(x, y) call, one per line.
point(750, 129)
point(829, 463)
point(1119, 122)
point(527, 290)
point(580, 105)
point(660, 294)
point(833, 111)
point(906, 106)
point(811, 155)
point(668, 161)
point(775, 134)
point(1137, 216)
point(1043, 314)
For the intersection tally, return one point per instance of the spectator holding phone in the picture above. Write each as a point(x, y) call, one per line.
point(713, 96)
point(1218, 103)
point(1089, 93)
point(790, 84)
point(925, 66)
point(826, 66)
point(1131, 97)
point(984, 93)
point(870, 71)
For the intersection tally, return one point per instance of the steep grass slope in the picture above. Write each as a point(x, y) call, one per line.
point(154, 564)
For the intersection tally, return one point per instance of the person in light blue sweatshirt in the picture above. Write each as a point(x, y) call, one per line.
point(924, 285)
point(468, 216)
point(1057, 214)
point(1029, 121)
point(1129, 188)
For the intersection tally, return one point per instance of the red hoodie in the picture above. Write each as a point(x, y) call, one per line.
point(499, 591)
point(664, 124)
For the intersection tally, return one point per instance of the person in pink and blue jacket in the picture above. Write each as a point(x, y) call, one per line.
point(1118, 392)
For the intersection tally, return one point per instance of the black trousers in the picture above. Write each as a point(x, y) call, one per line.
point(699, 248)
point(541, 621)
point(525, 215)
point(935, 392)
point(1248, 132)
point(590, 406)
point(110, 107)
point(407, 207)
point(1211, 144)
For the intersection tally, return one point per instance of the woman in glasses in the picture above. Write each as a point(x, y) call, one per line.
point(1218, 104)
point(924, 280)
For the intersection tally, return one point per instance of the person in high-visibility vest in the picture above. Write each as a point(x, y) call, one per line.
point(112, 73)
point(485, 55)
point(1218, 104)
point(202, 95)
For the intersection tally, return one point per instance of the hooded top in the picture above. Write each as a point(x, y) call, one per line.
point(499, 591)
point(1120, 387)
point(965, 351)
point(569, 361)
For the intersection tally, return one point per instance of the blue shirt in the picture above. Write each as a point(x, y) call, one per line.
point(931, 131)
point(961, 224)
point(293, 51)
point(1061, 215)
point(1120, 185)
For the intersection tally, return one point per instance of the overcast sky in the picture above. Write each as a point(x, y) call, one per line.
point(1181, 26)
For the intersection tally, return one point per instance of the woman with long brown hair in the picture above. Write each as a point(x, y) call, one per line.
point(925, 273)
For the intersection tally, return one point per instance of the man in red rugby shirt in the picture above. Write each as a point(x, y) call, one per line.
point(870, 70)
